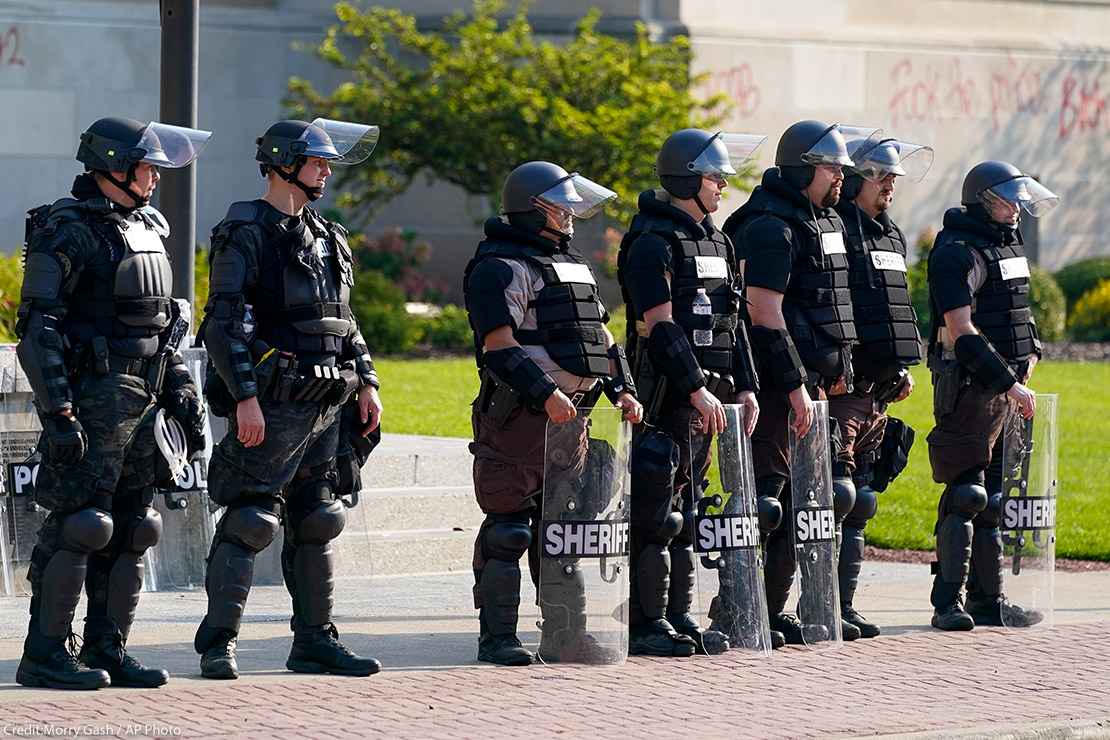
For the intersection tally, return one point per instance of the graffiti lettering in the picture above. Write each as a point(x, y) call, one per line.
point(931, 93)
point(1083, 106)
point(739, 86)
point(11, 52)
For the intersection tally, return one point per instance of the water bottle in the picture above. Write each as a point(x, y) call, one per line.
point(703, 307)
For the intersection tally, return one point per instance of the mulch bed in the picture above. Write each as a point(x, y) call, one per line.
point(924, 557)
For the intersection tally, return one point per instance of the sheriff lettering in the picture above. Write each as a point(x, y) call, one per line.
point(590, 539)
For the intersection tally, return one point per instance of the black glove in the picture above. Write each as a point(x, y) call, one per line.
point(66, 443)
point(189, 411)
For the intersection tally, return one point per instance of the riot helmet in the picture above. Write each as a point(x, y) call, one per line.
point(875, 160)
point(535, 190)
point(993, 180)
point(691, 154)
point(807, 144)
point(120, 144)
point(290, 143)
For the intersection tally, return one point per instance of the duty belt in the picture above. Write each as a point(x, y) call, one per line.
point(137, 366)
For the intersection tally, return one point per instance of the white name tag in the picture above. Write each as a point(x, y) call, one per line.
point(1014, 267)
point(711, 267)
point(832, 242)
point(888, 261)
point(572, 272)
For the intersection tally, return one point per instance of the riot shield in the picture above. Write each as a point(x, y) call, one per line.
point(814, 531)
point(584, 546)
point(1028, 520)
point(731, 595)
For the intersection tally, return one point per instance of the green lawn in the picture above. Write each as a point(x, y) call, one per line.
point(433, 397)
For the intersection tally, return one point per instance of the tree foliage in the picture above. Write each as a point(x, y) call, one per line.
point(468, 102)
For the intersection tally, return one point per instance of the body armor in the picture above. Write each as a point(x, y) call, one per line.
point(569, 320)
point(705, 261)
point(885, 320)
point(301, 301)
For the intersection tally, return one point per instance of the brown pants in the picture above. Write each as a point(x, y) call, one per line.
point(963, 438)
point(862, 424)
point(509, 466)
point(771, 439)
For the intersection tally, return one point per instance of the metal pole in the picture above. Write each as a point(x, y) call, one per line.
point(178, 199)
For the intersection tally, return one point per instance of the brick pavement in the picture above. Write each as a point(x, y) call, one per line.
point(989, 679)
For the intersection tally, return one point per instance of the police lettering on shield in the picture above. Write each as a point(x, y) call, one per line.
point(585, 539)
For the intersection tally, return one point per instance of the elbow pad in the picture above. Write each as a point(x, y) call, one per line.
point(513, 367)
point(985, 366)
point(780, 367)
point(227, 333)
point(41, 352)
point(364, 364)
point(670, 351)
point(621, 381)
point(744, 372)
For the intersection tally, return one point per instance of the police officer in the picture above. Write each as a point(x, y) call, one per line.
point(790, 242)
point(889, 340)
point(285, 354)
point(685, 365)
point(543, 353)
point(95, 327)
point(982, 351)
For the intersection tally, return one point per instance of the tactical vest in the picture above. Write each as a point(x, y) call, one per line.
point(301, 301)
point(1001, 310)
point(700, 263)
point(129, 296)
point(569, 324)
point(884, 316)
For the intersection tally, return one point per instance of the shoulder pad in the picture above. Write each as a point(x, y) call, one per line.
point(156, 220)
point(241, 211)
point(65, 209)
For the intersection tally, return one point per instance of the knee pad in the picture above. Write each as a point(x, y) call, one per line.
point(250, 526)
point(672, 525)
point(321, 525)
point(145, 530)
point(768, 504)
point(966, 500)
point(990, 517)
point(86, 530)
point(844, 497)
point(506, 540)
point(867, 504)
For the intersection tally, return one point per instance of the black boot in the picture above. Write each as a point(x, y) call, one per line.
point(497, 596)
point(796, 633)
point(318, 650)
point(857, 620)
point(51, 663)
point(997, 611)
point(681, 597)
point(649, 632)
point(217, 652)
point(106, 650)
point(948, 612)
point(848, 631)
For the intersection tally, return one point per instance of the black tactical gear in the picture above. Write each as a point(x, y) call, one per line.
point(795, 249)
point(288, 143)
point(569, 315)
point(984, 176)
point(885, 319)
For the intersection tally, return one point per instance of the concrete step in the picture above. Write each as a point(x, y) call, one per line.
point(415, 508)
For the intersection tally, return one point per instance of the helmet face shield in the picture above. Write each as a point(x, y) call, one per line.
point(577, 196)
point(837, 145)
point(1034, 198)
point(893, 157)
point(725, 154)
point(163, 145)
point(339, 142)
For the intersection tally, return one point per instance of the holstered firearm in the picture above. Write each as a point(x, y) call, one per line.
point(651, 384)
point(496, 400)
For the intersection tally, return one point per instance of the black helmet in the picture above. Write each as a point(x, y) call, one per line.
point(1002, 180)
point(119, 144)
point(288, 143)
point(533, 185)
point(692, 153)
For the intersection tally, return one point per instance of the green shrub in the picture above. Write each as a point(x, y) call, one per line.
point(200, 286)
point(11, 280)
point(617, 323)
point(1090, 321)
point(918, 278)
point(1049, 306)
point(1079, 277)
point(450, 330)
point(379, 306)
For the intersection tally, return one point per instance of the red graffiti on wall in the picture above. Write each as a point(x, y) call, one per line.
point(1015, 89)
point(739, 86)
point(11, 52)
point(1083, 105)
point(931, 92)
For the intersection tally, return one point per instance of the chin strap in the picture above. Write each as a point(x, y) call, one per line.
point(294, 178)
point(560, 236)
point(697, 199)
point(125, 186)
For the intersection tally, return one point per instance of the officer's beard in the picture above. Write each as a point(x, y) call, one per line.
point(832, 196)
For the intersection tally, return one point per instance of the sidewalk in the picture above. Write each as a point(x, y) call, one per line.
point(986, 683)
